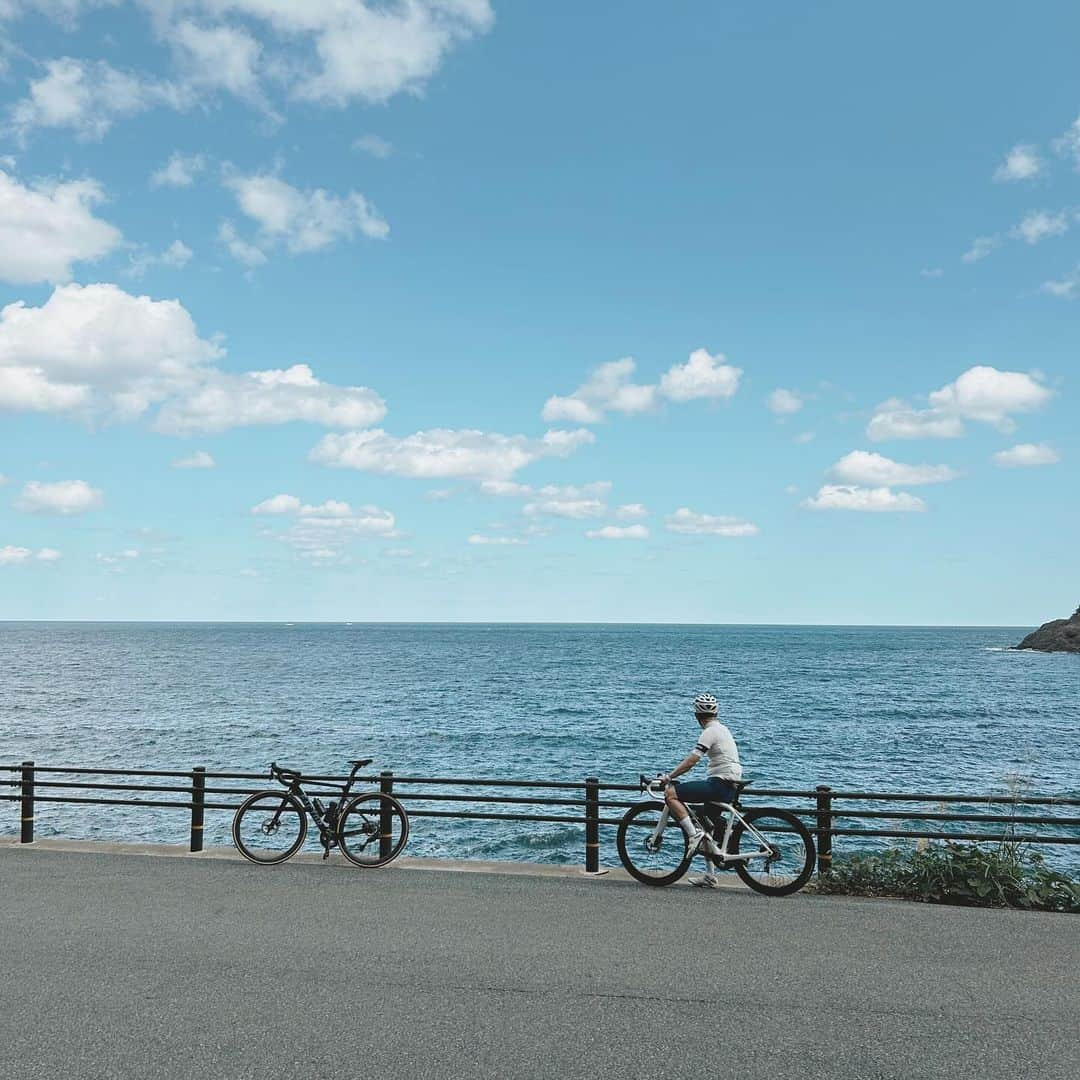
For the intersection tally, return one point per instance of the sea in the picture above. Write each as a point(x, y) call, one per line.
point(931, 710)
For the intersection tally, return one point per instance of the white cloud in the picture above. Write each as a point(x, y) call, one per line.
point(223, 401)
point(179, 171)
point(893, 419)
point(11, 555)
point(1067, 288)
point(1025, 454)
point(869, 500)
point(702, 376)
point(505, 488)
point(619, 532)
point(278, 504)
point(331, 52)
point(863, 468)
point(88, 97)
point(199, 460)
point(784, 402)
point(1039, 224)
point(981, 393)
point(980, 248)
point(121, 557)
point(567, 508)
point(932, 272)
point(631, 512)
point(988, 395)
point(367, 51)
point(502, 541)
point(804, 437)
point(1068, 145)
point(303, 220)
point(97, 349)
point(3, 479)
point(177, 255)
point(442, 453)
point(239, 248)
point(374, 145)
point(1022, 162)
point(65, 497)
point(324, 532)
point(218, 57)
point(47, 227)
point(568, 494)
point(609, 389)
point(692, 523)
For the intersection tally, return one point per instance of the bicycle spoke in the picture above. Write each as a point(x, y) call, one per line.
point(373, 829)
point(777, 852)
point(269, 827)
point(652, 856)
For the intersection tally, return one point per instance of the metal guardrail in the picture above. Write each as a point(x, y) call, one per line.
point(825, 806)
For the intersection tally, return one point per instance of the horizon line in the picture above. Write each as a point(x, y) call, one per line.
point(509, 622)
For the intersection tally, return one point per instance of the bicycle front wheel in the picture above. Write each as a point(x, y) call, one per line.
point(269, 827)
point(372, 829)
point(654, 858)
point(780, 851)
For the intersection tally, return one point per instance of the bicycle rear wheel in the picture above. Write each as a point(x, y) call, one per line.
point(269, 827)
point(372, 829)
point(781, 849)
point(652, 860)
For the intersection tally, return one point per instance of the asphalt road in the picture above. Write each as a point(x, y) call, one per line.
point(139, 967)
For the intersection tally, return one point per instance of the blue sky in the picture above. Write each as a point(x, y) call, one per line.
point(457, 310)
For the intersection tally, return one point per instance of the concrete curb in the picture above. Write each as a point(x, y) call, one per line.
point(229, 854)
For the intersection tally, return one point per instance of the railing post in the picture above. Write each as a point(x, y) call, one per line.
point(386, 817)
point(824, 829)
point(592, 825)
point(26, 835)
point(198, 803)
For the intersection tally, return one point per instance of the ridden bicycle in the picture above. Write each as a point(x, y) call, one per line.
point(370, 828)
point(770, 849)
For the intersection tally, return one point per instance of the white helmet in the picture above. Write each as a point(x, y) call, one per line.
point(706, 705)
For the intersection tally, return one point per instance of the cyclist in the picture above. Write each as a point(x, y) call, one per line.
point(716, 742)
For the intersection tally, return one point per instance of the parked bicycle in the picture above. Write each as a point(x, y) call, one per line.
point(770, 849)
point(370, 828)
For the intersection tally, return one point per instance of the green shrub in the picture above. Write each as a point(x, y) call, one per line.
point(1006, 876)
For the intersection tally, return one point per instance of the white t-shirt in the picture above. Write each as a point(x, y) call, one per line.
point(716, 741)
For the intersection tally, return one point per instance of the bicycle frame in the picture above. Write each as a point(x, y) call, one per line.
point(317, 813)
point(731, 813)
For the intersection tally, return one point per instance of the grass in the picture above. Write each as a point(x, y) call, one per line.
point(1006, 875)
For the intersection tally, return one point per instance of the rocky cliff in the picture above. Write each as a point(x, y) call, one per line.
point(1060, 635)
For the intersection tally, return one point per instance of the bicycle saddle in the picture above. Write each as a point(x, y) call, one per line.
point(361, 763)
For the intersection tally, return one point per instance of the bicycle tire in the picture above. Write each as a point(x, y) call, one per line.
point(381, 806)
point(791, 883)
point(282, 798)
point(638, 818)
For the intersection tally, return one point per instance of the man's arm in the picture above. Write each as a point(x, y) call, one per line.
point(684, 766)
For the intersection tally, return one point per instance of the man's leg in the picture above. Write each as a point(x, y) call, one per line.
point(680, 813)
point(678, 809)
